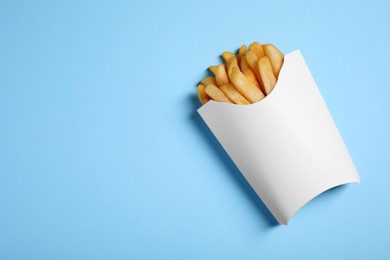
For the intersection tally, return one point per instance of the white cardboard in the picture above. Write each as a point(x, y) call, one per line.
point(287, 145)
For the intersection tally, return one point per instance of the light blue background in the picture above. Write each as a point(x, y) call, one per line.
point(102, 155)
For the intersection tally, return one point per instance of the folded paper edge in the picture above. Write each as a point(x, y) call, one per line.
point(285, 222)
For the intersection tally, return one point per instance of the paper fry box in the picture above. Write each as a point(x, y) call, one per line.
point(287, 145)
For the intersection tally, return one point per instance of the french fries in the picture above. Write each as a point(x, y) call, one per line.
point(244, 78)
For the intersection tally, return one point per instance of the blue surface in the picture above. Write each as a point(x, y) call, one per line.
point(103, 157)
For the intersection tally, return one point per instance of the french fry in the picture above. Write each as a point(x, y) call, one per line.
point(267, 75)
point(275, 57)
point(244, 64)
point(252, 61)
point(257, 49)
point(232, 93)
point(227, 55)
point(216, 94)
point(251, 77)
point(247, 71)
point(220, 74)
point(231, 63)
point(209, 80)
point(203, 98)
point(242, 50)
point(233, 60)
point(245, 87)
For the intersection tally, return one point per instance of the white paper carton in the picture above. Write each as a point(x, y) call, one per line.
point(287, 145)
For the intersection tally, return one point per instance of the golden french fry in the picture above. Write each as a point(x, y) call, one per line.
point(252, 61)
point(243, 78)
point(245, 87)
point(242, 50)
point(216, 94)
point(275, 57)
point(257, 49)
point(209, 80)
point(244, 64)
point(203, 98)
point(251, 77)
point(233, 60)
point(267, 75)
point(227, 55)
point(220, 74)
point(234, 95)
point(231, 63)
point(246, 69)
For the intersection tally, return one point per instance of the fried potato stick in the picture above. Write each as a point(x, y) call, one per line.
point(203, 98)
point(209, 80)
point(227, 55)
point(242, 50)
point(275, 56)
point(216, 94)
point(247, 71)
point(231, 63)
point(257, 49)
point(252, 61)
point(233, 94)
point(267, 75)
point(220, 74)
